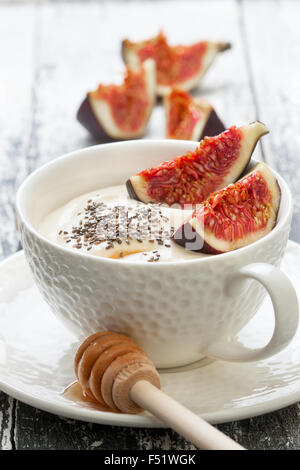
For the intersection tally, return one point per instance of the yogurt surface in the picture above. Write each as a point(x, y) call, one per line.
point(107, 223)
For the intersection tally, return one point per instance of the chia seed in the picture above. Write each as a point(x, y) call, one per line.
point(117, 224)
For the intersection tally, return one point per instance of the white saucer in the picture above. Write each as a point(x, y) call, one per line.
point(36, 361)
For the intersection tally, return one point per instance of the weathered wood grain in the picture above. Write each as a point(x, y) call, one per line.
point(278, 430)
point(40, 430)
point(272, 431)
point(16, 84)
point(7, 425)
point(273, 39)
point(58, 51)
point(79, 47)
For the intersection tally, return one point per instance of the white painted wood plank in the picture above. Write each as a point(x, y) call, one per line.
point(6, 421)
point(16, 80)
point(80, 46)
point(273, 36)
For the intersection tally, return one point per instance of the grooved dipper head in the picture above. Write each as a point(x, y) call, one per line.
point(107, 365)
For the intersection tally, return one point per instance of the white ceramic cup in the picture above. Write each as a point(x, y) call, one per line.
point(177, 311)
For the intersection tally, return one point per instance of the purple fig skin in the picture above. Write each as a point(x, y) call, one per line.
point(224, 46)
point(123, 52)
point(213, 126)
point(131, 192)
point(180, 238)
point(88, 120)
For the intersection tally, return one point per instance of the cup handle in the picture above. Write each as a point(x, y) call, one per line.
point(285, 304)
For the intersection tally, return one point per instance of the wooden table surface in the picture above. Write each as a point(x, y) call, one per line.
point(51, 54)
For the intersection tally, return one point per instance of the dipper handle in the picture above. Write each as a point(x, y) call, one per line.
point(187, 424)
point(113, 370)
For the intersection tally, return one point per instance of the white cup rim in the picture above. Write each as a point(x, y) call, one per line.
point(231, 254)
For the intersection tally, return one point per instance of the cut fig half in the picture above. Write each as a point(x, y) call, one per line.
point(120, 112)
point(182, 66)
point(192, 177)
point(235, 216)
point(189, 118)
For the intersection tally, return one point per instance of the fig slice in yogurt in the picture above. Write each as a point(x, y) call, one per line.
point(235, 216)
point(192, 177)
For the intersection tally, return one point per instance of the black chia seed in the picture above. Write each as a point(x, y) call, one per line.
point(119, 224)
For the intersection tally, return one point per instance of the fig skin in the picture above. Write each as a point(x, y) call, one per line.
point(224, 46)
point(187, 234)
point(96, 115)
point(131, 192)
point(208, 123)
point(213, 126)
point(123, 50)
point(87, 119)
point(180, 239)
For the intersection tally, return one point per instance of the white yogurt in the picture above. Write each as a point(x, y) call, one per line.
point(140, 232)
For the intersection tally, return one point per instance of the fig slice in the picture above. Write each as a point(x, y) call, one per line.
point(189, 118)
point(120, 112)
point(235, 216)
point(182, 66)
point(192, 177)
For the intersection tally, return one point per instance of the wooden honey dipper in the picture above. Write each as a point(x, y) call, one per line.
point(113, 370)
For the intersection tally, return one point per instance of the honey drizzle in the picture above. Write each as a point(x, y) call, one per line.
point(74, 392)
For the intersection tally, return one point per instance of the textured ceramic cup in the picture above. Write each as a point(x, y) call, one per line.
point(177, 311)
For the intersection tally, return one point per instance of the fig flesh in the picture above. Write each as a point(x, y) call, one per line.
point(189, 118)
point(192, 177)
point(235, 216)
point(182, 66)
point(120, 112)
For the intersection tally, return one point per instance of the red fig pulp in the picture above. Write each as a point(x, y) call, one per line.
point(189, 118)
point(235, 216)
point(182, 66)
point(192, 177)
point(119, 112)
